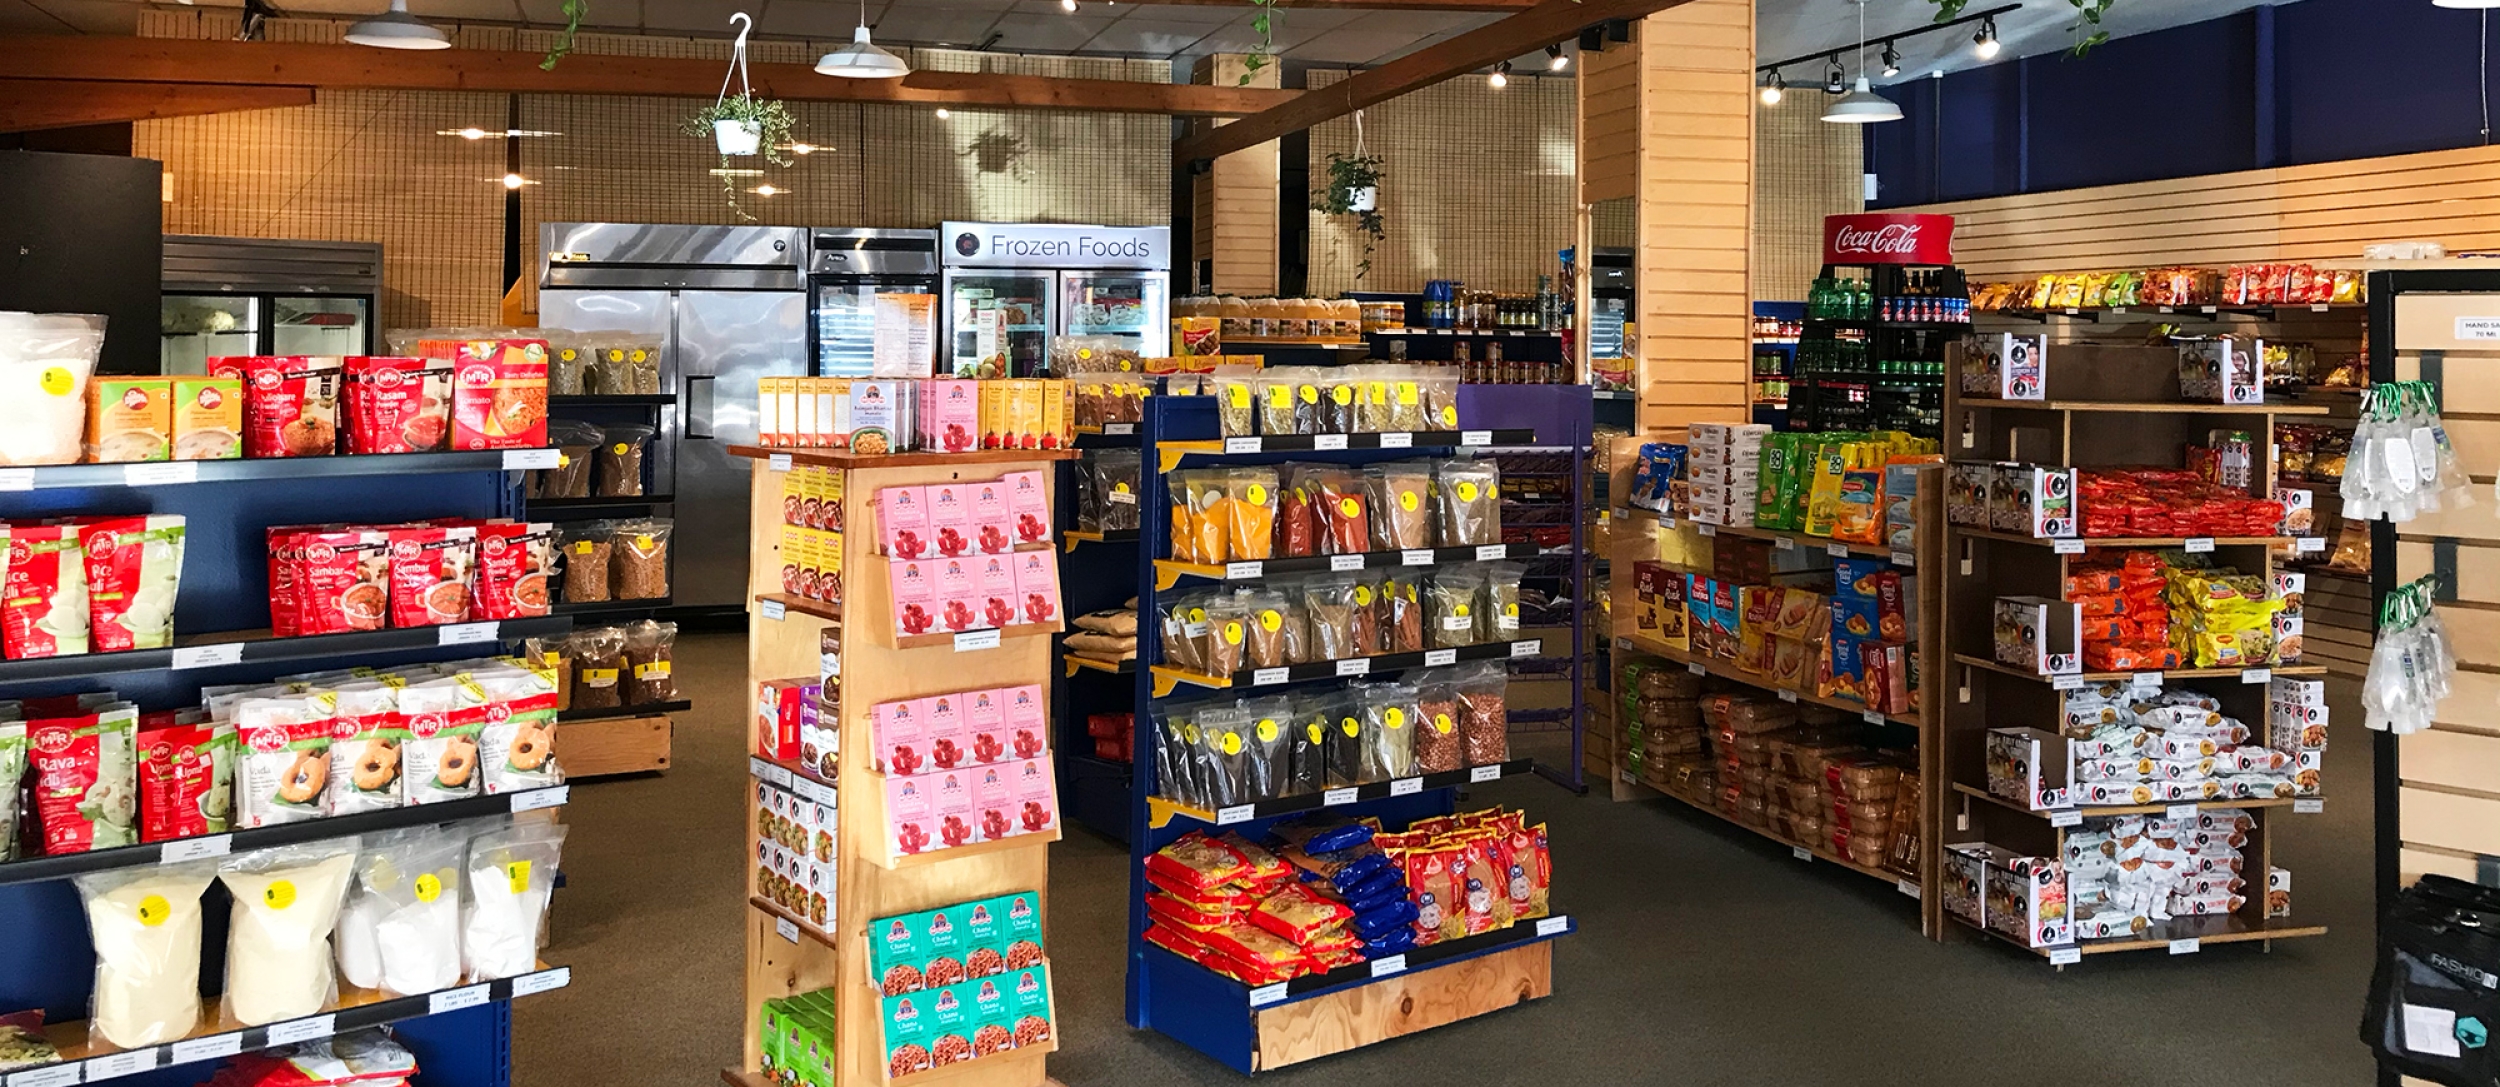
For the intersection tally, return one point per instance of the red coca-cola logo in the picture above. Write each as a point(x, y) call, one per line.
point(1880, 238)
point(267, 741)
point(51, 741)
point(320, 553)
point(424, 725)
point(1894, 238)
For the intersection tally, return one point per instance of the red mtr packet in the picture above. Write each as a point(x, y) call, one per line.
point(515, 566)
point(499, 392)
point(397, 404)
point(430, 574)
point(134, 567)
point(186, 777)
point(342, 581)
point(290, 403)
point(44, 613)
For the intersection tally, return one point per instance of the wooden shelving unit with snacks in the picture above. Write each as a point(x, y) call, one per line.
point(788, 953)
point(2104, 406)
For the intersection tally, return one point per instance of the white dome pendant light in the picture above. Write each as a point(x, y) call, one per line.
point(862, 59)
point(1862, 106)
point(396, 29)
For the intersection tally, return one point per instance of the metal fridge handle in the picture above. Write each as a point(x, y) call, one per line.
point(699, 408)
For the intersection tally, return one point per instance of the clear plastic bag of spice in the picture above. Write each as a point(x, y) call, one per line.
point(640, 563)
point(1175, 767)
point(1269, 636)
point(1401, 505)
point(1453, 596)
point(1501, 601)
point(588, 552)
point(1402, 591)
point(650, 664)
point(1484, 714)
point(574, 442)
point(1115, 475)
point(621, 452)
point(1330, 601)
point(1307, 739)
point(598, 668)
point(1279, 409)
point(1236, 392)
point(1266, 764)
point(1439, 747)
point(1467, 502)
point(1389, 719)
point(1184, 622)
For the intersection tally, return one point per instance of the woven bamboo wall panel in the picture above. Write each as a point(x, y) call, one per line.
point(1804, 169)
point(1476, 186)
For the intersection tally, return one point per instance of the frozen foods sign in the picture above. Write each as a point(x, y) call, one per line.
point(1053, 245)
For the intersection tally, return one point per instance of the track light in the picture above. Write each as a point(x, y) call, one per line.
point(1836, 78)
point(1555, 59)
point(1067, 5)
point(1774, 88)
point(1892, 60)
point(514, 181)
point(1986, 40)
point(765, 190)
point(1500, 77)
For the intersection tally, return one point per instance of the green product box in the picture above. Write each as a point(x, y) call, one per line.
point(952, 943)
point(908, 1023)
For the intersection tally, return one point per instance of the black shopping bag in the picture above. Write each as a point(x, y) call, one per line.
point(2435, 998)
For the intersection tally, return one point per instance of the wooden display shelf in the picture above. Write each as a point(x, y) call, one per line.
point(782, 772)
point(2163, 675)
point(1167, 678)
point(1827, 856)
point(954, 639)
point(2123, 541)
point(844, 458)
point(633, 740)
point(2215, 929)
point(2167, 407)
point(1169, 572)
point(2125, 809)
point(1788, 541)
point(803, 925)
point(648, 709)
point(821, 609)
point(1728, 670)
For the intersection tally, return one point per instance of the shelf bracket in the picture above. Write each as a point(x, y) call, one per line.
point(1168, 458)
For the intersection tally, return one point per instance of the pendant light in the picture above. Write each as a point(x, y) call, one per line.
point(2465, 3)
point(396, 29)
point(1862, 106)
point(862, 59)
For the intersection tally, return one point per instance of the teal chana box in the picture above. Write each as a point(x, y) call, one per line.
point(909, 1023)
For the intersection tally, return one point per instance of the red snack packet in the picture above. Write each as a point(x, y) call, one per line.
point(74, 803)
point(1296, 914)
point(342, 581)
point(515, 564)
point(45, 611)
point(430, 574)
point(181, 767)
point(134, 565)
point(398, 405)
point(499, 393)
point(1197, 862)
point(290, 403)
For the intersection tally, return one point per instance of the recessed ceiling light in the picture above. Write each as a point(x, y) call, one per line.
point(766, 190)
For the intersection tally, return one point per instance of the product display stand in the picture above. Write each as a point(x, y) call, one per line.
point(627, 739)
point(2103, 405)
point(460, 1036)
point(791, 638)
point(1271, 1026)
point(1098, 570)
point(1894, 380)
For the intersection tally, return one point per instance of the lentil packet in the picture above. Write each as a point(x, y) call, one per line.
point(1467, 502)
point(1439, 746)
point(1501, 601)
point(1402, 495)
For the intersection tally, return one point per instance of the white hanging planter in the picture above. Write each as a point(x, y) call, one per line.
point(738, 137)
point(1364, 199)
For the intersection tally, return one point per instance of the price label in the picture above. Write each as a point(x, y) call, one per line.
point(1695, 667)
point(1492, 552)
point(1406, 786)
point(1397, 440)
point(774, 610)
point(1337, 797)
point(2308, 544)
point(1119, 428)
point(302, 1030)
point(2148, 679)
point(1666, 520)
point(1394, 964)
point(779, 462)
point(1528, 648)
point(192, 849)
point(2068, 547)
point(809, 789)
point(1838, 551)
point(1628, 779)
point(1435, 658)
point(786, 928)
point(1553, 926)
point(1787, 695)
point(161, 472)
point(1269, 677)
point(1328, 441)
point(1481, 774)
point(1784, 543)
point(2319, 307)
point(1359, 666)
point(2256, 675)
point(972, 640)
point(1475, 437)
point(17, 479)
point(1872, 717)
point(58, 1075)
point(1265, 995)
point(2066, 818)
point(1243, 571)
point(1801, 853)
point(2187, 946)
point(518, 460)
point(452, 1000)
point(2066, 683)
point(1418, 557)
point(544, 981)
point(2200, 545)
point(464, 634)
point(1904, 559)
point(207, 656)
point(1238, 813)
point(1339, 564)
point(552, 796)
point(2179, 812)
point(1907, 887)
point(213, 1047)
point(1242, 445)
point(2065, 956)
point(1706, 530)
point(117, 1065)
point(2310, 806)
point(769, 771)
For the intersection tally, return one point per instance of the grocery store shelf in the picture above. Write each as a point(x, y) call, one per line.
point(648, 709)
point(257, 646)
point(1460, 332)
point(1166, 678)
point(610, 607)
point(783, 772)
point(943, 854)
point(1519, 934)
point(2120, 541)
point(169, 473)
point(2262, 311)
point(614, 400)
point(1168, 572)
point(1075, 664)
point(1072, 537)
point(1885, 875)
point(844, 458)
point(629, 502)
point(2165, 407)
point(1170, 453)
point(1160, 811)
point(2143, 678)
point(830, 612)
point(801, 924)
point(38, 869)
point(2120, 809)
point(1728, 670)
point(1791, 541)
point(2165, 935)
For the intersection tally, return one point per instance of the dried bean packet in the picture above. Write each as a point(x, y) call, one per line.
point(598, 668)
point(1279, 409)
point(1501, 601)
point(1345, 511)
point(622, 450)
point(1388, 732)
point(1228, 635)
point(1484, 716)
point(1268, 638)
point(1267, 768)
point(1236, 394)
point(640, 563)
point(1438, 738)
point(1223, 737)
point(1330, 601)
point(1407, 410)
point(589, 550)
point(1468, 502)
point(1339, 393)
point(1402, 504)
point(1251, 511)
point(1454, 596)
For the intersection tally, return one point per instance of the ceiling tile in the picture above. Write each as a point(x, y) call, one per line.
point(1199, 14)
point(930, 25)
point(1059, 33)
point(1148, 37)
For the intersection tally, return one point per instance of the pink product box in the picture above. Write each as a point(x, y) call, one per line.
point(958, 594)
point(1037, 586)
point(903, 521)
point(985, 725)
point(952, 415)
point(993, 528)
point(950, 518)
point(1000, 603)
point(1028, 507)
point(948, 808)
point(902, 736)
point(1028, 721)
point(916, 604)
point(949, 736)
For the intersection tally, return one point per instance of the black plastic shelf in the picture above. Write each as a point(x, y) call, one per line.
point(1386, 662)
point(610, 607)
point(259, 647)
point(39, 869)
point(1368, 560)
point(632, 400)
point(1356, 794)
point(645, 710)
point(62, 476)
point(645, 501)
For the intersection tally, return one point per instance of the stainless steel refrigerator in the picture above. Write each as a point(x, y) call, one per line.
point(729, 306)
point(850, 267)
point(1014, 290)
point(264, 296)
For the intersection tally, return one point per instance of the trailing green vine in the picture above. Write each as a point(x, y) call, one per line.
point(1264, 53)
point(1347, 175)
point(2087, 27)
point(574, 10)
point(769, 116)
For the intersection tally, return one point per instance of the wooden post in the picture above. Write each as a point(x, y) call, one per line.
point(1235, 208)
point(1694, 301)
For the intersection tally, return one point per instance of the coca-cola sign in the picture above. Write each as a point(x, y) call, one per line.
point(1887, 239)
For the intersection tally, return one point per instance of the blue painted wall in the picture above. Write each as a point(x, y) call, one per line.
point(2314, 81)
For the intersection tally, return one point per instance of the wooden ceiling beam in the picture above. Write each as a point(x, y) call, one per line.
point(1550, 21)
point(1493, 6)
point(30, 105)
point(355, 67)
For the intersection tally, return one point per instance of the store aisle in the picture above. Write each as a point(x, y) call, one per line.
point(1706, 954)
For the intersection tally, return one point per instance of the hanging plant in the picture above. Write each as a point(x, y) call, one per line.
point(744, 124)
point(1354, 189)
point(574, 10)
point(1262, 54)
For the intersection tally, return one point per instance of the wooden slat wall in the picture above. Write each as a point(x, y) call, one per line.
point(1235, 211)
point(2450, 804)
point(2326, 211)
point(1610, 119)
point(1696, 211)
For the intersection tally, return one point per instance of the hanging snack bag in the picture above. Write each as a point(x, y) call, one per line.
point(439, 757)
point(283, 774)
point(146, 925)
point(186, 778)
point(365, 741)
point(45, 611)
point(1467, 502)
point(290, 403)
point(278, 956)
point(85, 780)
point(134, 570)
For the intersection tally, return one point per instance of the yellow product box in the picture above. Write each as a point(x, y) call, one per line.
point(829, 488)
point(1024, 414)
point(129, 419)
point(1058, 407)
point(829, 565)
point(794, 496)
point(208, 418)
point(994, 414)
point(828, 426)
point(793, 543)
point(771, 393)
point(805, 430)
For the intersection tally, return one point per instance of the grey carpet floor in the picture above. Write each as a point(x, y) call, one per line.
point(1706, 956)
